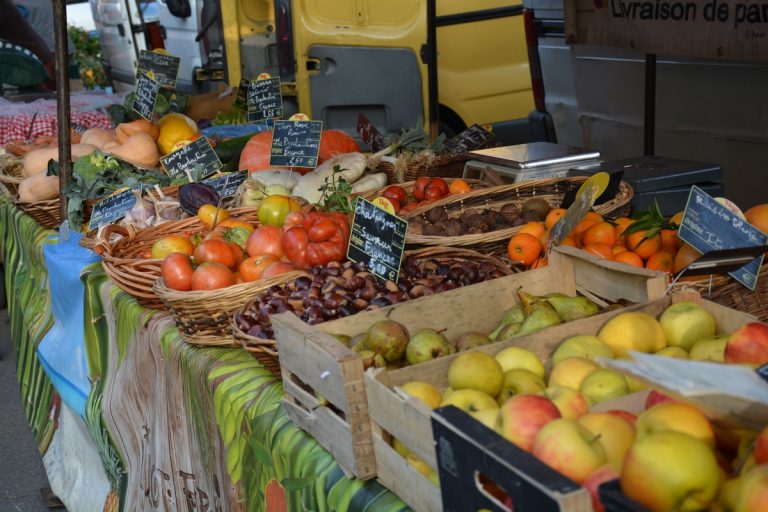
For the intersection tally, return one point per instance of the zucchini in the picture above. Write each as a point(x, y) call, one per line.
point(230, 149)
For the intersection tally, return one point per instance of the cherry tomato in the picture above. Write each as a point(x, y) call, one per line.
point(395, 192)
point(252, 268)
point(265, 240)
point(420, 187)
point(211, 276)
point(176, 271)
point(215, 251)
point(208, 213)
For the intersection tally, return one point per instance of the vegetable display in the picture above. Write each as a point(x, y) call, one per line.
point(319, 239)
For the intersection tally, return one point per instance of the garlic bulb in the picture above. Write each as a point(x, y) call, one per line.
point(250, 193)
point(142, 213)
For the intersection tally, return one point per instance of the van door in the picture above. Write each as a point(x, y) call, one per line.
point(360, 56)
point(180, 34)
point(121, 38)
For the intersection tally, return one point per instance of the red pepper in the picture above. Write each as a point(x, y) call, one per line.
point(320, 239)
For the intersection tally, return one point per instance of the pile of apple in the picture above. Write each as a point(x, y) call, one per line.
point(670, 457)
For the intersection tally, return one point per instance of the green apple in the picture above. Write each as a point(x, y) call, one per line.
point(488, 417)
point(673, 352)
point(518, 381)
point(583, 345)
point(684, 323)
point(517, 357)
point(709, 349)
point(471, 400)
point(476, 370)
point(604, 384)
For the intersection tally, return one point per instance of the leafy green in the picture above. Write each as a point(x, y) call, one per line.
point(336, 192)
point(413, 140)
point(167, 102)
point(651, 221)
point(232, 116)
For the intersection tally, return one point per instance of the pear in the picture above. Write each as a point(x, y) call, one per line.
point(527, 301)
point(388, 338)
point(427, 344)
point(357, 340)
point(513, 316)
point(343, 339)
point(470, 340)
point(573, 308)
point(508, 331)
point(542, 315)
point(371, 359)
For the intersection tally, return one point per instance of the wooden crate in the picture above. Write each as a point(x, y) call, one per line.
point(314, 363)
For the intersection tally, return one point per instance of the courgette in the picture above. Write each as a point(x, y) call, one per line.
point(230, 149)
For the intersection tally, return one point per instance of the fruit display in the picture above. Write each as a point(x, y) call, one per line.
point(424, 191)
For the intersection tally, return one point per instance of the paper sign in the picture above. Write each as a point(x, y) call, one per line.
point(197, 153)
point(226, 184)
point(378, 239)
point(368, 133)
point(264, 100)
point(164, 67)
point(474, 137)
point(146, 95)
point(707, 226)
point(295, 143)
point(112, 208)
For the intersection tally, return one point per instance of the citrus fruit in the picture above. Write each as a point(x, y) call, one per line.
point(524, 247)
point(629, 258)
point(621, 224)
point(459, 186)
point(662, 260)
point(670, 242)
point(534, 228)
point(553, 216)
point(604, 251)
point(643, 247)
point(599, 233)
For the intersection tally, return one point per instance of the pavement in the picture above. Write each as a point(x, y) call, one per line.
point(22, 475)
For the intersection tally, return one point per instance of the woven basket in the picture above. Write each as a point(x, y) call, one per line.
point(265, 350)
point(10, 173)
point(204, 317)
point(136, 275)
point(408, 186)
point(494, 242)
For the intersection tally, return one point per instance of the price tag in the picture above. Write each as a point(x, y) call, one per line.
point(264, 100)
point(474, 137)
point(164, 67)
point(378, 239)
point(197, 153)
point(708, 226)
point(242, 94)
point(146, 95)
point(112, 208)
point(295, 143)
point(368, 133)
point(226, 184)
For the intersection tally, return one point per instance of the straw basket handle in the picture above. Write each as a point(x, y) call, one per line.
point(102, 245)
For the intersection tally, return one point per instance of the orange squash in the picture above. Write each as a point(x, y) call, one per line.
point(336, 142)
point(255, 155)
point(125, 130)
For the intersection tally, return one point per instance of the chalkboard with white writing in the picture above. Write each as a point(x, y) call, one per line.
point(164, 67)
point(377, 238)
point(264, 100)
point(226, 184)
point(474, 137)
point(145, 97)
point(197, 153)
point(295, 143)
point(112, 208)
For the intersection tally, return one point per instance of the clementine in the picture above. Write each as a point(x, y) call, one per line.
point(593, 215)
point(569, 241)
point(621, 223)
point(533, 228)
point(540, 262)
point(670, 242)
point(553, 216)
point(684, 257)
point(677, 218)
point(629, 258)
point(643, 247)
point(604, 251)
point(599, 233)
point(758, 217)
point(661, 260)
point(618, 249)
point(581, 227)
point(459, 186)
point(524, 247)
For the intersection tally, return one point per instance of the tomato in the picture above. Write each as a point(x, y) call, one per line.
point(441, 184)
point(433, 193)
point(395, 205)
point(277, 268)
point(252, 268)
point(235, 223)
point(408, 207)
point(208, 213)
point(293, 219)
point(273, 209)
point(395, 192)
point(238, 235)
point(170, 244)
point(211, 276)
point(239, 253)
point(215, 251)
point(420, 187)
point(459, 186)
point(265, 240)
point(176, 270)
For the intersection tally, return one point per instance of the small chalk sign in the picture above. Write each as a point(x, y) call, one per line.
point(264, 100)
point(112, 208)
point(708, 226)
point(145, 97)
point(226, 184)
point(377, 238)
point(295, 143)
point(368, 133)
point(474, 137)
point(241, 97)
point(164, 67)
point(197, 153)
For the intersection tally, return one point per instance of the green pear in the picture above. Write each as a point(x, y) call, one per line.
point(573, 308)
point(513, 316)
point(542, 315)
point(427, 344)
point(470, 340)
point(388, 338)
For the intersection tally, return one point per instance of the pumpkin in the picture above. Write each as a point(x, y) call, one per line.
point(139, 149)
point(38, 187)
point(255, 154)
point(125, 130)
point(335, 142)
point(97, 136)
point(37, 160)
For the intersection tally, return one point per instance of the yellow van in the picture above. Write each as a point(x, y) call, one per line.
point(337, 58)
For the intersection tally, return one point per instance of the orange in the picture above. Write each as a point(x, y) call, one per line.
point(622, 223)
point(593, 215)
point(677, 218)
point(544, 238)
point(661, 260)
point(604, 251)
point(629, 258)
point(670, 242)
point(643, 247)
point(540, 262)
point(459, 186)
point(524, 247)
point(534, 228)
point(618, 249)
point(599, 233)
point(684, 257)
point(569, 241)
point(553, 216)
point(581, 227)
point(758, 217)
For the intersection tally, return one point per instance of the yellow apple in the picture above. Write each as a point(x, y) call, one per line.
point(568, 401)
point(634, 384)
point(603, 384)
point(425, 392)
point(728, 499)
point(582, 345)
point(709, 349)
point(753, 491)
point(434, 477)
point(670, 471)
point(679, 417)
point(571, 372)
point(447, 393)
point(488, 417)
point(522, 416)
point(520, 381)
point(518, 357)
point(673, 352)
point(400, 447)
point(684, 323)
point(471, 400)
point(569, 448)
point(632, 330)
point(476, 370)
point(616, 435)
point(418, 464)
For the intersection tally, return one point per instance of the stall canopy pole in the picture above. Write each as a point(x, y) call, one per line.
point(649, 125)
point(432, 67)
point(62, 97)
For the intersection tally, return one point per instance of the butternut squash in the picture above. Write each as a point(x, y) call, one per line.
point(37, 160)
point(125, 130)
point(139, 149)
point(38, 187)
point(98, 137)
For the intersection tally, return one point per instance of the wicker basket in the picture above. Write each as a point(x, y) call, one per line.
point(10, 173)
point(136, 275)
point(408, 186)
point(494, 242)
point(265, 350)
point(409, 168)
point(204, 317)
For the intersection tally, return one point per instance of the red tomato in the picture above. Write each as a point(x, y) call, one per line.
point(211, 276)
point(395, 205)
point(234, 223)
point(238, 252)
point(215, 251)
point(395, 192)
point(420, 187)
point(433, 193)
point(277, 268)
point(252, 268)
point(441, 184)
point(293, 219)
point(265, 240)
point(176, 270)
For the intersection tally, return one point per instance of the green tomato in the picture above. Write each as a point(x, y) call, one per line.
point(273, 209)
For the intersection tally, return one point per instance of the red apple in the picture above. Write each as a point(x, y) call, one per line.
point(626, 415)
point(522, 416)
point(655, 398)
point(567, 447)
point(748, 345)
point(761, 447)
point(753, 492)
point(595, 480)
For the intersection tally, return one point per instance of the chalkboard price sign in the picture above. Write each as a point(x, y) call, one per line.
point(242, 94)
point(112, 208)
point(377, 239)
point(197, 153)
point(226, 184)
point(707, 226)
point(368, 133)
point(164, 67)
point(295, 143)
point(264, 100)
point(474, 137)
point(146, 95)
